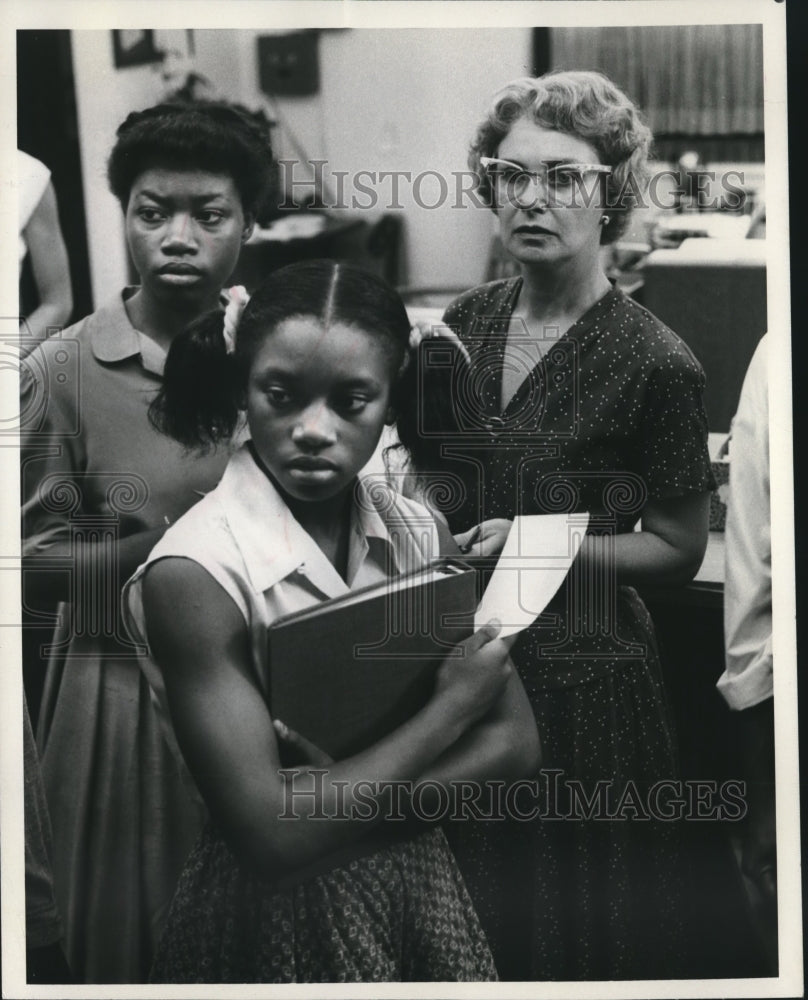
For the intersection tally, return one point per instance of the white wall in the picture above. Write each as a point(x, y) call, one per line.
point(396, 99)
point(104, 97)
point(405, 100)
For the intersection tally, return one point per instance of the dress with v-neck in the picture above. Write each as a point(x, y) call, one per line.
point(611, 417)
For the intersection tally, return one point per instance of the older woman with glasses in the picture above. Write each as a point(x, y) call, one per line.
point(575, 398)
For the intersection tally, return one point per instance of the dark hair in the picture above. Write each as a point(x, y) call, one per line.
point(581, 103)
point(427, 411)
point(217, 137)
point(204, 387)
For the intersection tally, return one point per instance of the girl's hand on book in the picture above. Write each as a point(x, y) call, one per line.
point(296, 749)
point(485, 539)
point(475, 681)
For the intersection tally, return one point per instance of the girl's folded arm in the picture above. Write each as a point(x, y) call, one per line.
point(503, 745)
point(199, 639)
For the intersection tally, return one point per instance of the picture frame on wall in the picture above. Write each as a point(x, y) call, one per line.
point(135, 47)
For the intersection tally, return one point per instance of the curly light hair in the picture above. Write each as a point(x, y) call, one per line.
point(584, 104)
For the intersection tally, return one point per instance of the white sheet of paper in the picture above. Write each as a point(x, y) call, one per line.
point(536, 557)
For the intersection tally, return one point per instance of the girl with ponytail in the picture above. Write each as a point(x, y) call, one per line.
point(314, 367)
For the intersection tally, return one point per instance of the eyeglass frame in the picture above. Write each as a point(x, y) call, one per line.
point(581, 168)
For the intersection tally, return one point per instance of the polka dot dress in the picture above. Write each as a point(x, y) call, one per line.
point(611, 417)
point(398, 914)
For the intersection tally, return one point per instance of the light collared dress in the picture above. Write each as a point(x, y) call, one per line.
point(391, 909)
point(93, 469)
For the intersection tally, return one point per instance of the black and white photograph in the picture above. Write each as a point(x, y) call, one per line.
point(398, 540)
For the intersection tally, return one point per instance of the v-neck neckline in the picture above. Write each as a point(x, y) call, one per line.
point(494, 335)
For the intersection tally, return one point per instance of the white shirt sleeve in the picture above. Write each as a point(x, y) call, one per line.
point(747, 678)
point(33, 178)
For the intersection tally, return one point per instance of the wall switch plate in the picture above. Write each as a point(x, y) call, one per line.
point(288, 65)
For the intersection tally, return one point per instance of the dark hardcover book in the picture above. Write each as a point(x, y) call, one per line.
point(346, 672)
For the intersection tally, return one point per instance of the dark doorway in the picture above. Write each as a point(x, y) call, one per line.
point(541, 51)
point(47, 128)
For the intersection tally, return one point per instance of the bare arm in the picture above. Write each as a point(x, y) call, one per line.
point(668, 550)
point(51, 269)
point(503, 745)
point(223, 725)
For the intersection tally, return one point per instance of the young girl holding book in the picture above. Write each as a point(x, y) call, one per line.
point(315, 361)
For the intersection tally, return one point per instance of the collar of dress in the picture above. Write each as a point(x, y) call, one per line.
point(273, 544)
point(114, 339)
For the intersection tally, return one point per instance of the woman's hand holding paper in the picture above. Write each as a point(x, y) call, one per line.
point(486, 538)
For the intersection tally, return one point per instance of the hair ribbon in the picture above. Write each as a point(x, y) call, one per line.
point(237, 298)
point(423, 330)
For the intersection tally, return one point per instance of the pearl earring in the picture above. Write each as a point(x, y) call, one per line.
point(604, 220)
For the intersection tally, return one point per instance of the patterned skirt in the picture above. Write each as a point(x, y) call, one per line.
point(399, 914)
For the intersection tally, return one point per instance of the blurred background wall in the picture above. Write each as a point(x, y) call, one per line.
point(385, 100)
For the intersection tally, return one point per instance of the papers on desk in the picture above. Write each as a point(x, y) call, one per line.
point(297, 226)
point(715, 225)
point(717, 445)
point(536, 558)
point(711, 253)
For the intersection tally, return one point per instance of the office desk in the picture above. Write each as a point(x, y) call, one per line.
point(712, 293)
point(689, 626)
point(706, 590)
point(689, 623)
point(709, 580)
point(338, 237)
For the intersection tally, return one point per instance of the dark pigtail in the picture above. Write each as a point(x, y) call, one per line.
point(425, 401)
point(204, 385)
point(198, 403)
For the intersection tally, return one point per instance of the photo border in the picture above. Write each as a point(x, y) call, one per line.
point(435, 14)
